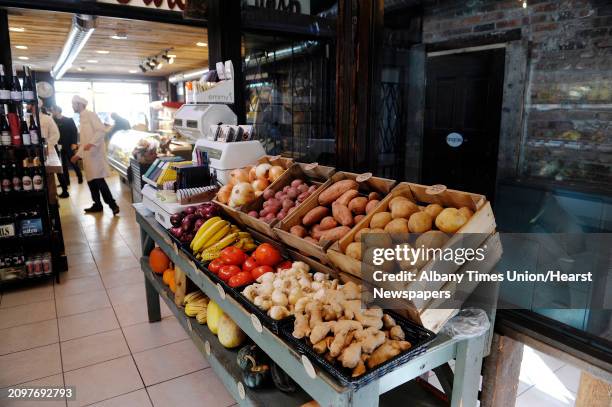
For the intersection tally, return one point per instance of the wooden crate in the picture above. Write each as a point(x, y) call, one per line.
point(481, 224)
point(369, 184)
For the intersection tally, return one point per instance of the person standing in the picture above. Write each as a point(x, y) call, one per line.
point(119, 124)
point(69, 138)
point(93, 152)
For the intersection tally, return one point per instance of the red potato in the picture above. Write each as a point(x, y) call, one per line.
point(346, 197)
point(296, 183)
point(312, 188)
point(302, 197)
point(281, 214)
point(342, 214)
point(278, 194)
point(302, 188)
point(269, 217)
point(288, 203)
point(268, 193)
point(315, 215)
point(292, 193)
point(254, 214)
point(358, 205)
point(298, 230)
point(328, 222)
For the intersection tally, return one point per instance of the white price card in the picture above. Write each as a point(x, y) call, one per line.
point(221, 291)
point(310, 370)
point(241, 391)
point(207, 348)
point(256, 323)
point(363, 177)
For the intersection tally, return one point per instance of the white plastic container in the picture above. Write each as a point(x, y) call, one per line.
point(225, 157)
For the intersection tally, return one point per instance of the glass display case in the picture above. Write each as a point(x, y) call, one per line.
point(121, 148)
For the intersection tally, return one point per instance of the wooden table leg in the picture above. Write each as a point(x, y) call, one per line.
point(501, 371)
point(366, 396)
point(153, 306)
point(593, 392)
point(467, 372)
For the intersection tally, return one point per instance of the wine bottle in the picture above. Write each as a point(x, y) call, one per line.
point(26, 179)
point(25, 132)
point(16, 94)
point(28, 86)
point(34, 133)
point(5, 92)
point(16, 177)
point(5, 130)
point(37, 179)
point(7, 180)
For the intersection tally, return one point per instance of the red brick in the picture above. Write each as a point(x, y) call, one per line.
point(546, 27)
point(508, 23)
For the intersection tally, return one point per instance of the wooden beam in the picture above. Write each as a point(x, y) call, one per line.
point(501, 372)
point(593, 392)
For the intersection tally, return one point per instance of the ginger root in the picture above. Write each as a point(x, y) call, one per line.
point(351, 355)
point(386, 351)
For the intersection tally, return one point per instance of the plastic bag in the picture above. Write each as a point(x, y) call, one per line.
point(468, 323)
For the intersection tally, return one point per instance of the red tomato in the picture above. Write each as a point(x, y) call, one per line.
point(284, 265)
point(233, 256)
point(226, 272)
point(240, 279)
point(267, 255)
point(249, 264)
point(215, 265)
point(258, 271)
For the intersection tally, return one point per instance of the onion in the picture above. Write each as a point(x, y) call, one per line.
point(239, 175)
point(252, 174)
point(260, 184)
point(223, 195)
point(275, 172)
point(242, 194)
point(261, 171)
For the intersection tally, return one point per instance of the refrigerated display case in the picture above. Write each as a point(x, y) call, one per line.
point(121, 148)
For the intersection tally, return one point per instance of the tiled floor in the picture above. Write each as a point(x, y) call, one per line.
point(92, 331)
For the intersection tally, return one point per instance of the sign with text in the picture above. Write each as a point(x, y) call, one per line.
point(172, 5)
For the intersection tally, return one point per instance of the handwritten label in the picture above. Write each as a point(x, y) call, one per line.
point(435, 189)
point(363, 177)
point(241, 391)
point(207, 348)
point(256, 323)
point(221, 291)
point(310, 370)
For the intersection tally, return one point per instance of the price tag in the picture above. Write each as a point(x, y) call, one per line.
point(241, 391)
point(221, 291)
point(435, 189)
point(256, 323)
point(310, 370)
point(363, 177)
point(207, 348)
point(311, 166)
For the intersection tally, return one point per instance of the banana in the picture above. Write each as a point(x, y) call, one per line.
point(234, 229)
point(193, 308)
point(201, 317)
point(209, 233)
point(217, 237)
point(226, 241)
point(193, 296)
point(203, 228)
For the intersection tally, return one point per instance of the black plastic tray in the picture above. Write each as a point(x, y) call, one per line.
point(418, 336)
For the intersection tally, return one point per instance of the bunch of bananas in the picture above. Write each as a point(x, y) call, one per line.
point(215, 235)
point(196, 304)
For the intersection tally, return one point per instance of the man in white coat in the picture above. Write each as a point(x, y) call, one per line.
point(93, 152)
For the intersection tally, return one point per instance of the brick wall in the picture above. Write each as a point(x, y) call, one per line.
point(568, 107)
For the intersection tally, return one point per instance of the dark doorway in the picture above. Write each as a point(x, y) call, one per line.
point(462, 118)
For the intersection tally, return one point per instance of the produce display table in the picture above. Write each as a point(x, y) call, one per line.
point(317, 385)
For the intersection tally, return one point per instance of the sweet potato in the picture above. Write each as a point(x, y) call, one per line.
point(346, 197)
point(298, 230)
point(315, 215)
point(310, 240)
point(316, 232)
point(336, 190)
point(371, 205)
point(328, 222)
point(342, 214)
point(358, 205)
point(373, 195)
point(358, 218)
point(335, 233)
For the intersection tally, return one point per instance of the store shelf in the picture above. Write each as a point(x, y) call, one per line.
point(222, 360)
point(25, 281)
point(22, 194)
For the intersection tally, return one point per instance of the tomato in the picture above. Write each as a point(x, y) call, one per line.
point(267, 255)
point(240, 279)
point(226, 272)
point(284, 265)
point(233, 256)
point(215, 265)
point(261, 270)
point(249, 264)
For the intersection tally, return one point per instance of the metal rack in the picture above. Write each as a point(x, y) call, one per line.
point(468, 353)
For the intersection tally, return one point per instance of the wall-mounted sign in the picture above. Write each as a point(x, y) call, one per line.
point(454, 139)
point(172, 5)
point(289, 6)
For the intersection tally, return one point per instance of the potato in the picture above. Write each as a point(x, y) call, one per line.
point(358, 218)
point(450, 220)
point(315, 215)
point(434, 239)
point(377, 237)
point(342, 214)
point(406, 264)
point(316, 232)
point(403, 209)
point(357, 205)
point(328, 222)
point(388, 266)
point(380, 220)
point(420, 222)
point(434, 209)
point(360, 232)
point(336, 190)
point(397, 199)
point(346, 197)
point(354, 250)
point(298, 230)
point(371, 205)
point(399, 225)
point(334, 234)
point(467, 212)
point(310, 240)
point(373, 196)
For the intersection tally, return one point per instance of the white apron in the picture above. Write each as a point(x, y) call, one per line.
point(92, 131)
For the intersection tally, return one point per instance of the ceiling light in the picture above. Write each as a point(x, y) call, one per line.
point(21, 46)
point(171, 60)
point(92, 61)
point(201, 44)
point(160, 65)
point(81, 68)
point(171, 56)
point(17, 29)
point(81, 29)
point(23, 58)
point(132, 71)
point(103, 51)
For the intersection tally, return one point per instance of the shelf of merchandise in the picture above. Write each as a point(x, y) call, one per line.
point(321, 386)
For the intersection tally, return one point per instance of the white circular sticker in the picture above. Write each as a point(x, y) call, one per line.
point(207, 347)
point(256, 323)
point(241, 391)
point(454, 139)
point(221, 291)
point(310, 370)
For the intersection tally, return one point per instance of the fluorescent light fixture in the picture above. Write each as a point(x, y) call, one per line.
point(17, 29)
point(21, 46)
point(159, 66)
point(80, 31)
point(81, 68)
point(92, 61)
point(201, 44)
point(171, 56)
point(103, 51)
point(23, 58)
